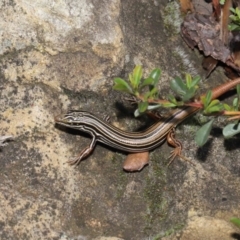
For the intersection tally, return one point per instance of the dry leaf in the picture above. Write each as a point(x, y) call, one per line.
point(203, 31)
point(136, 161)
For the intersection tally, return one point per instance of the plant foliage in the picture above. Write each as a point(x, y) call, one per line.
point(146, 92)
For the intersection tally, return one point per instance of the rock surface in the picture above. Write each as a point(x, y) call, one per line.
point(59, 55)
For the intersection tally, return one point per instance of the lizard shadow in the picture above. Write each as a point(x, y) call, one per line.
point(203, 152)
point(127, 112)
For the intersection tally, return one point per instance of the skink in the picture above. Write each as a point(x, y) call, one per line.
point(130, 142)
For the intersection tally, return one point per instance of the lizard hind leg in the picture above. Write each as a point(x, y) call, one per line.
point(176, 152)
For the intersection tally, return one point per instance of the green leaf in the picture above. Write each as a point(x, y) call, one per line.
point(195, 81)
point(214, 106)
point(238, 12)
point(153, 92)
point(169, 105)
point(232, 10)
point(227, 107)
point(213, 103)
point(207, 99)
point(235, 221)
point(233, 27)
point(172, 99)
point(238, 90)
point(155, 75)
point(147, 81)
point(203, 133)
point(222, 2)
point(235, 18)
point(142, 106)
point(188, 80)
point(131, 80)
point(137, 76)
point(235, 104)
point(122, 85)
point(178, 86)
point(238, 97)
point(189, 94)
point(231, 129)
